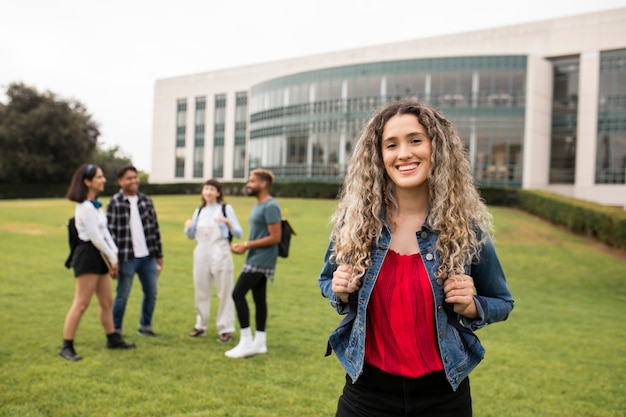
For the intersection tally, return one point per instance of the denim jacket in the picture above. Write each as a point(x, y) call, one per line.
point(460, 349)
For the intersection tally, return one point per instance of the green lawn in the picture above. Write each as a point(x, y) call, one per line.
point(561, 353)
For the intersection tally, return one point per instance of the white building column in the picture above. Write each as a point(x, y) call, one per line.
point(537, 123)
point(587, 130)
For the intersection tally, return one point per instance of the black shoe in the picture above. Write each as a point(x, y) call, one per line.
point(70, 354)
point(143, 332)
point(115, 341)
point(197, 333)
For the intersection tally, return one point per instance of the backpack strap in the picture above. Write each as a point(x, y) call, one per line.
point(230, 235)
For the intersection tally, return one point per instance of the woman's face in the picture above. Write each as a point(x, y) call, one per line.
point(406, 150)
point(96, 184)
point(210, 194)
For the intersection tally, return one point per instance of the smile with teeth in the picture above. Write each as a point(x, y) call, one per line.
point(407, 167)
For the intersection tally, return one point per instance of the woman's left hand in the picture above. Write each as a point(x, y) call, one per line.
point(459, 291)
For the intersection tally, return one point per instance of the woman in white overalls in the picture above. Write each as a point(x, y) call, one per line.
point(212, 225)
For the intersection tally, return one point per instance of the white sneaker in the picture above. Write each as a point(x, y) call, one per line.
point(258, 348)
point(242, 350)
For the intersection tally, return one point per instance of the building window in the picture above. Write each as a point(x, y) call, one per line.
point(198, 142)
point(181, 122)
point(179, 169)
point(241, 119)
point(305, 125)
point(611, 147)
point(198, 162)
point(218, 135)
point(564, 120)
point(181, 130)
point(199, 122)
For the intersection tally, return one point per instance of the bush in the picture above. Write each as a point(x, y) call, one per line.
point(607, 224)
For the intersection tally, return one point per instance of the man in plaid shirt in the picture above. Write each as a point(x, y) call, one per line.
point(135, 229)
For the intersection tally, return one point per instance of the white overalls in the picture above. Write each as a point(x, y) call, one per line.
point(213, 264)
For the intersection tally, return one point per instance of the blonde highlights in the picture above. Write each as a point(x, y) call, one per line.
point(457, 213)
point(264, 175)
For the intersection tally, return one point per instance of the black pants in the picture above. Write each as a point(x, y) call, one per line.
point(257, 282)
point(377, 394)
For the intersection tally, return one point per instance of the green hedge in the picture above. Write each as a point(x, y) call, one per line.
point(606, 224)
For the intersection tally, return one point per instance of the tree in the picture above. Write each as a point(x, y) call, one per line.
point(110, 160)
point(43, 138)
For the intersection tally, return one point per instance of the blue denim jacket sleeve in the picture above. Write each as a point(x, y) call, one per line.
point(325, 283)
point(493, 297)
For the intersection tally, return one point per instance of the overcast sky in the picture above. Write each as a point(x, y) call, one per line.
point(109, 54)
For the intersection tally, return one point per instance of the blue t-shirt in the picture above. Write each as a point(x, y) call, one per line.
point(263, 214)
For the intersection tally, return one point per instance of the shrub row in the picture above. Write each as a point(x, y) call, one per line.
point(606, 224)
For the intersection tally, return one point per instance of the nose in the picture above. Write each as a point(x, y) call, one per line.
point(404, 151)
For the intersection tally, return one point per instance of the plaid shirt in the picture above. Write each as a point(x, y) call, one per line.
point(268, 272)
point(118, 215)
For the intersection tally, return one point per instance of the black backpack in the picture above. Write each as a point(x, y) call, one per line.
point(285, 238)
point(73, 240)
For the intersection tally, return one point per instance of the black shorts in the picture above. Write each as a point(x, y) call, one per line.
point(88, 260)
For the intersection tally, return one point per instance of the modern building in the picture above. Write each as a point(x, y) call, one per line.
point(539, 105)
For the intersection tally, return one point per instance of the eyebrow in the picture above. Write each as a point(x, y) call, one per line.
point(409, 135)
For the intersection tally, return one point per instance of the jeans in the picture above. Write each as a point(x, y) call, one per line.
point(146, 270)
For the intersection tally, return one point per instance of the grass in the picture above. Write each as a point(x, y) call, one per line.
point(561, 353)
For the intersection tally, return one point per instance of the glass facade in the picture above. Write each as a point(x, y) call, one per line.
point(304, 126)
point(198, 143)
point(564, 119)
point(241, 126)
point(611, 146)
point(218, 135)
point(181, 130)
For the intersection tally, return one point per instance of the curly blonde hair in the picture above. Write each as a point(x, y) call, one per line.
point(457, 212)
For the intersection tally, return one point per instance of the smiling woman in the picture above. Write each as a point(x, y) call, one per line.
point(93, 260)
point(406, 151)
point(417, 278)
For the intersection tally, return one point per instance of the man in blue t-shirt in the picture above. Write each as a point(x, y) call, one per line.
point(262, 247)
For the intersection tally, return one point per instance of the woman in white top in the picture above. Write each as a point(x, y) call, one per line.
point(213, 225)
point(93, 260)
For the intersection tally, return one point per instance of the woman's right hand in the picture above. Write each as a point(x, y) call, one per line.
point(344, 283)
point(188, 224)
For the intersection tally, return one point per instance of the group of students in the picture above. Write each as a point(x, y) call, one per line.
point(410, 263)
point(126, 241)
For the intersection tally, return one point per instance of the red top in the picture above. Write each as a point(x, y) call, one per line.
point(401, 332)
